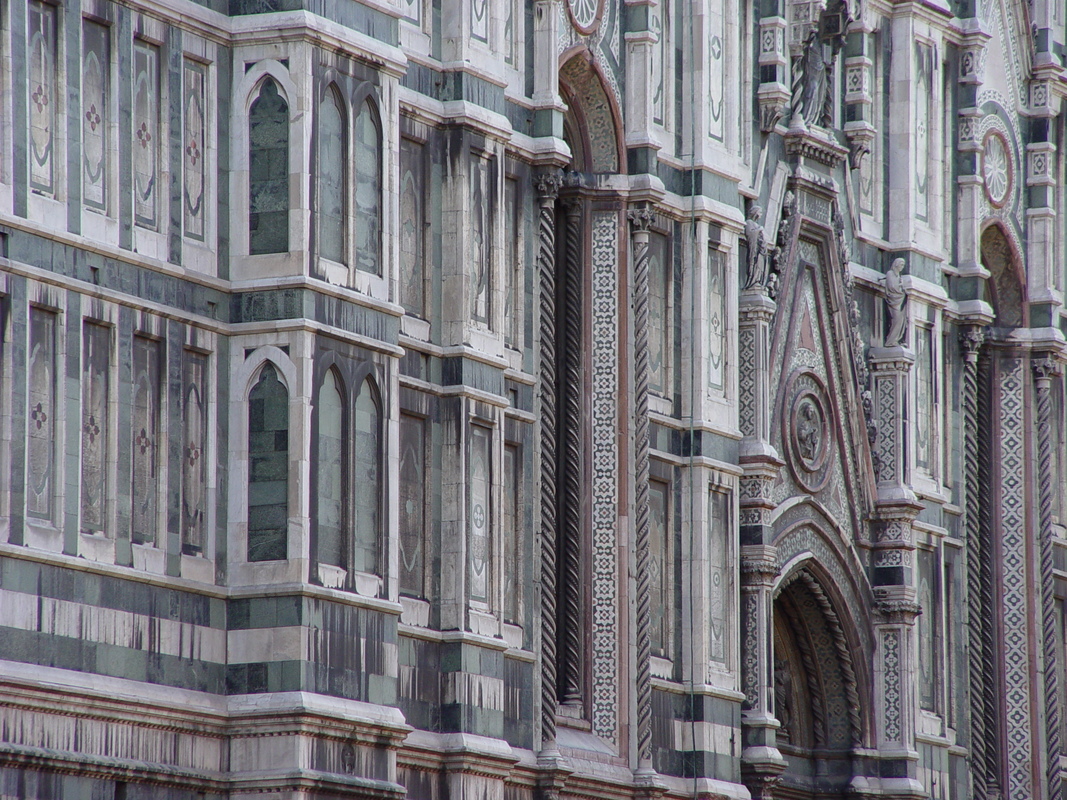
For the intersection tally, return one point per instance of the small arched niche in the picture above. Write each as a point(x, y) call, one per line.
point(1005, 287)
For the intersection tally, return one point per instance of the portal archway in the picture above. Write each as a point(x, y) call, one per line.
point(817, 697)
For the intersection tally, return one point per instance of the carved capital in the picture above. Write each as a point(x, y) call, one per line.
point(759, 563)
point(1045, 368)
point(640, 218)
point(971, 339)
point(547, 184)
point(898, 609)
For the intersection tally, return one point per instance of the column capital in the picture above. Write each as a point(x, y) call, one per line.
point(547, 184)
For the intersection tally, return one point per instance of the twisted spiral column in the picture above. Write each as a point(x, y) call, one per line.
point(1044, 370)
point(640, 219)
point(985, 546)
point(547, 187)
point(972, 341)
point(571, 458)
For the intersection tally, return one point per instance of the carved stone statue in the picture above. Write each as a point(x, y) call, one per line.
point(809, 432)
point(783, 696)
point(895, 298)
point(757, 248)
point(809, 82)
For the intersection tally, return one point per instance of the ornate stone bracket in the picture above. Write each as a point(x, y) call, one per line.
point(773, 94)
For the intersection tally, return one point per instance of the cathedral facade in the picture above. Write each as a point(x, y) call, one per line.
point(533, 399)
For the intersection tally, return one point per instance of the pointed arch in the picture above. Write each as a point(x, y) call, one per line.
point(268, 169)
point(593, 121)
point(331, 497)
point(367, 155)
point(332, 184)
point(1007, 283)
point(367, 478)
point(268, 466)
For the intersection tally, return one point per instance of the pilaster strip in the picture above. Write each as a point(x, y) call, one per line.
point(547, 187)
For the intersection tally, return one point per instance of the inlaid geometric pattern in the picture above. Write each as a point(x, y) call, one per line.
point(605, 489)
point(1016, 583)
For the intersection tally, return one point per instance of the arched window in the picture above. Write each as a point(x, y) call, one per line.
point(268, 172)
point(331, 181)
point(268, 468)
point(368, 158)
point(331, 470)
point(367, 479)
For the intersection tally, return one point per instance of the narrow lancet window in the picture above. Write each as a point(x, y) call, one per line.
point(367, 480)
point(331, 469)
point(268, 172)
point(368, 158)
point(331, 184)
point(268, 468)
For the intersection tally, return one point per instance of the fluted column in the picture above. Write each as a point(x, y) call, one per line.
point(640, 220)
point(547, 185)
point(1045, 368)
point(977, 570)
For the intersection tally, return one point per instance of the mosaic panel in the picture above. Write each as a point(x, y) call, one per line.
point(605, 471)
point(41, 415)
point(96, 63)
point(145, 435)
point(1016, 585)
point(412, 488)
point(41, 18)
point(479, 238)
point(146, 134)
point(96, 354)
point(412, 225)
point(194, 129)
point(479, 516)
point(717, 321)
point(194, 451)
point(660, 567)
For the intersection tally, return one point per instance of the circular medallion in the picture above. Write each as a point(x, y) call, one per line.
point(585, 14)
point(808, 431)
point(996, 168)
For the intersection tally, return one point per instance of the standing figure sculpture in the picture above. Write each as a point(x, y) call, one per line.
point(757, 248)
point(895, 296)
point(809, 83)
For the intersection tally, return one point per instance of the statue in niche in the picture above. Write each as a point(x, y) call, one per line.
point(757, 248)
point(809, 432)
point(810, 83)
point(895, 297)
point(783, 696)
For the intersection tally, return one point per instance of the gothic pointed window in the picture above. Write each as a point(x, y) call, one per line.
point(41, 416)
point(96, 352)
point(367, 478)
point(368, 160)
point(42, 19)
point(96, 98)
point(268, 171)
point(331, 494)
point(194, 452)
point(146, 134)
point(145, 433)
point(268, 468)
point(331, 209)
